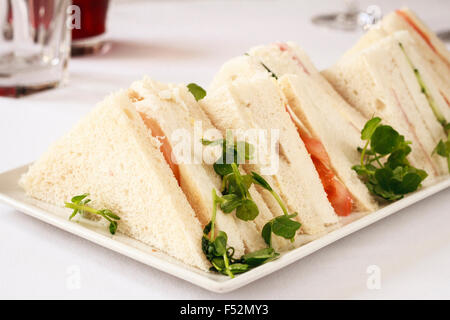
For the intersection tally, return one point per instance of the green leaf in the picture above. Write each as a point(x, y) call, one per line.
point(207, 248)
point(78, 199)
point(261, 181)
point(113, 227)
point(218, 263)
point(220, 243)
point(447, 126)
point(234, 187)
point(79, 205)
point(292, 215)
point(384, 177)
point(241, 188)
point(266, 233)
point(206, 142)
point(259, 257)
point(247, 180)
point(110, 214)
point(409, 183)
point(360, 170)
point(370, 128)
point(247, 211)
point(207, 228)
point(284, 227)
point(398, 173)
point(236, 268)
point(422, 173)
point(74, 213)
point(198, 92)
point(223, 165)
point(442, 149)
point(385, 139)
point(221, 168)
point(232, 201)
point(244, 148)
point(398, 157)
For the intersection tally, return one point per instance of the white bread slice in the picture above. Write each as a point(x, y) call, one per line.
point(289, 58)
point(313, 107)
point(175, 110)
point(374, 83)
point(433, 50)
point(244, 96)
point(111, 155)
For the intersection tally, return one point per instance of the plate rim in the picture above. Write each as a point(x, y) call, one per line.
point(196, 277)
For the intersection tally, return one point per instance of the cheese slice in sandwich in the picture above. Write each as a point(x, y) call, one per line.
point(288, 58)
point(244, 96)
point(112, 155)
point(389, 79)
point(173, 111)
point(432, 49)
point(319, 114)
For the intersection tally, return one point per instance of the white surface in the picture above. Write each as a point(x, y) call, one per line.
point(188, 41)
point(14, 196)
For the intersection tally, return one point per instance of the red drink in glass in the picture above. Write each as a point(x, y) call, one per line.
point(88, 38)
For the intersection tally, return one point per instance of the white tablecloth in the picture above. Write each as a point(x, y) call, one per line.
point(188, 41)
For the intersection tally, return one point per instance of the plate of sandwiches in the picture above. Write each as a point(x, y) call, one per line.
point(272, 162)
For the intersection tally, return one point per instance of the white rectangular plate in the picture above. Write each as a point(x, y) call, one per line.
point(13, 195)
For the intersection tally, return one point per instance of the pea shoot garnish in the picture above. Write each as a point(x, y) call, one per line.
point(443, 147)
point(283, 226)
point(79, 206)
point(235, 186)
point(236, 197)
point(214, 246)
point(198, 92)
point(384, 166)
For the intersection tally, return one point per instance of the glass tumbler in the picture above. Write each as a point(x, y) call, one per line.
point(34, 45)
point(88, 37)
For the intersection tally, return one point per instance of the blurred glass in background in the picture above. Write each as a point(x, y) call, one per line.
point(89, 37)
point(34, 45)
point(351, 18)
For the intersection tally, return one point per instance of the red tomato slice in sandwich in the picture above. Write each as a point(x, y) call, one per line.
point(340, 198)
point(416, 28)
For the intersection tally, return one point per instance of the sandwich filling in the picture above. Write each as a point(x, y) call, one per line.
point(427, 40)
point(165, 146)
point(158, 133)
point(437, 113)
point(412, 129)
point(337, 193)
point(339, 196)
point(416, 28)
point(285, 47)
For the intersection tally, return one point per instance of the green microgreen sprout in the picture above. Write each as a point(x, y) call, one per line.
point(384, 166)
point(198, 92)
point(236, 197)
point(79, 206)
